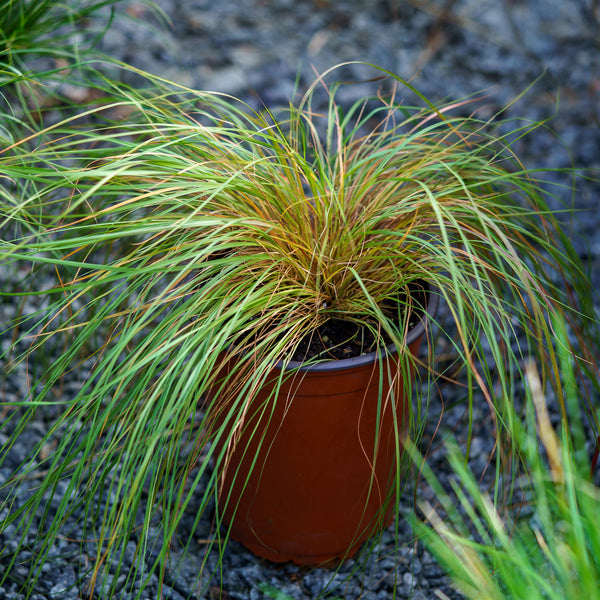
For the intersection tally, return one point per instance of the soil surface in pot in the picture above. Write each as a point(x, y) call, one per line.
point(337, 339)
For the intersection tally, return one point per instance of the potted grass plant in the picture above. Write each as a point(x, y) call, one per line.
point(201, 261)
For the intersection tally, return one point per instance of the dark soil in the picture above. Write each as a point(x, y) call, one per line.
point(338, 339)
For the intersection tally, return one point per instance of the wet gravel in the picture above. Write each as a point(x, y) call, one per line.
point(257, 50)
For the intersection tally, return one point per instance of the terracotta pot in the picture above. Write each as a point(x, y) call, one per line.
point(322, 481)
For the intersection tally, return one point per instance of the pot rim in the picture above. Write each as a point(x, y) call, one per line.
point(365, 359)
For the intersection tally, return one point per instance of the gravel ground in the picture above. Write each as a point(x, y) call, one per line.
point(256, 49)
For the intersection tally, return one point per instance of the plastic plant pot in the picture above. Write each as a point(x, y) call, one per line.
point(312, 473)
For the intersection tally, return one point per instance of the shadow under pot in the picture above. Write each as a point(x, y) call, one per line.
point(311, 473)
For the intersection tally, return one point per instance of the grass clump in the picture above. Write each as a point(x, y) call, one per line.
point(548, 548)
point(54, 28)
